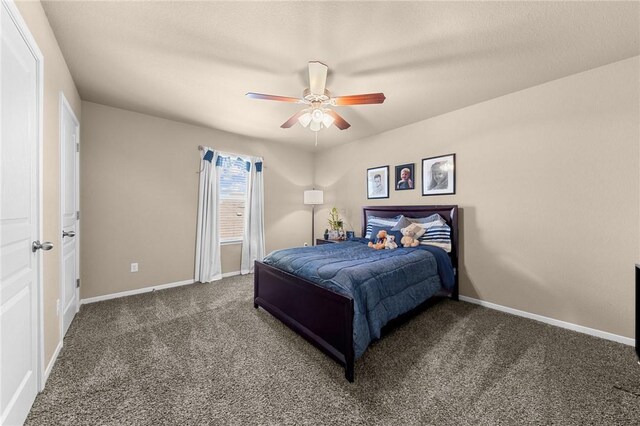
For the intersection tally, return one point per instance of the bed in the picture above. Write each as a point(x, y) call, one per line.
point(320, 308)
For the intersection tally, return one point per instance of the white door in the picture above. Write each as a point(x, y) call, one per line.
point(69, 138)
point(19, 217)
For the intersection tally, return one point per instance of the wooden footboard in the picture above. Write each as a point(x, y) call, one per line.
point(321, 316)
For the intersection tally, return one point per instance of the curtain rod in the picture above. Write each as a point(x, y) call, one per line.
point(201, 148)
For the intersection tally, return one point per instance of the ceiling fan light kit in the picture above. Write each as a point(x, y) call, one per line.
point(317, 116)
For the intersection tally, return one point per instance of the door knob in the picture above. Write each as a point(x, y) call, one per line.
point(37, 245)
point(68, 234)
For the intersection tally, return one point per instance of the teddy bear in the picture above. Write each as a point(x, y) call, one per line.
point(381, 239)
point(391, 243)
point(410, 235)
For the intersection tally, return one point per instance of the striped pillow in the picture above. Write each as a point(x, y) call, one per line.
point(384, 222)
point(438, 234)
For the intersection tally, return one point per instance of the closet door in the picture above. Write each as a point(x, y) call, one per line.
point(69, 164)
point(20, 250)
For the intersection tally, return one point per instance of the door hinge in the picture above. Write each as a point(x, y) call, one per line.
point(78, 215)
point(77, 147)
point(77, 282)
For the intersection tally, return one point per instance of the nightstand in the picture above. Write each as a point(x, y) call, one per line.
point(321, 241)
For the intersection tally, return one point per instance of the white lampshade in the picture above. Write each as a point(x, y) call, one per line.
point(327, 120)
point(317, 115)
point(305, 119)
point(313, 196)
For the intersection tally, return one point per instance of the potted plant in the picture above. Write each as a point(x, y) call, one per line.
point(336, 224)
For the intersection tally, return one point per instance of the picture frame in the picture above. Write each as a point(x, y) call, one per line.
point(405, 177)
point(378, 182)
point(439, 175)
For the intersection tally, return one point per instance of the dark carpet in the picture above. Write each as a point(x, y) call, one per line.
point(201, 354)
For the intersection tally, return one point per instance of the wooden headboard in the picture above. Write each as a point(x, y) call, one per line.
point(448, 213)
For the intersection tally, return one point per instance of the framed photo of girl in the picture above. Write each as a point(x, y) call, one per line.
point(378, 182)
point(439, 175)
point(405, 177)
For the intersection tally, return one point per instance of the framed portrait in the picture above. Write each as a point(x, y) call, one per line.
point(405, 177)
point(378, 182)
point(439, 175)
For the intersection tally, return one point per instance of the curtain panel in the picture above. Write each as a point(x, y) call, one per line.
point(208, 267)
point(253, 239)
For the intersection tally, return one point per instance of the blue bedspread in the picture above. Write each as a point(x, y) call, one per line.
point(382, 283)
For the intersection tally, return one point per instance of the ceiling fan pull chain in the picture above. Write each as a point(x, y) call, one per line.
point(316, 138)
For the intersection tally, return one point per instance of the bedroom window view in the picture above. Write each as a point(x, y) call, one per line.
point(233, 190)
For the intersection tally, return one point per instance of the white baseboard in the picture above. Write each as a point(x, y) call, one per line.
point(52, 362)
point(570, 326)
point(146, 289)
point(136, 291)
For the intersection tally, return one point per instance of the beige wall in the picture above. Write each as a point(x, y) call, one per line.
point(139, 197)
point(56, 78)
point(548, 179)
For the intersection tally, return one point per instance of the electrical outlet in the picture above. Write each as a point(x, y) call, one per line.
point(58, 307)
point(134, 267)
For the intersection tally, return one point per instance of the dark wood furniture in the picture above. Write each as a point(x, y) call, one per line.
point(324, 317)
point(321, 241)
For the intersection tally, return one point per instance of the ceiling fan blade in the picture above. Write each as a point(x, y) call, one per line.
point(371, 98)
point(273, 97)
point(317, 77)
point(293, 120)
point(340, 122)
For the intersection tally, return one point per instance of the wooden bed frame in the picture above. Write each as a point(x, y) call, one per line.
point(322, 316)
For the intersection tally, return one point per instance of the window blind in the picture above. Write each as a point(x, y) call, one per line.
point(233, 189)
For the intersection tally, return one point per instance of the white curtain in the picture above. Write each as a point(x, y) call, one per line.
point(208, 267)
point(253, 240)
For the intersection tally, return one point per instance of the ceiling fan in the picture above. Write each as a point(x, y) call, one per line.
point(318, 99)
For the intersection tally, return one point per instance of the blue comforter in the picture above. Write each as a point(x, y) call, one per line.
point(382, 283)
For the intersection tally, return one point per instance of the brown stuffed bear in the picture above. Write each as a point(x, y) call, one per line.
point(381, 240)
point(410, 235)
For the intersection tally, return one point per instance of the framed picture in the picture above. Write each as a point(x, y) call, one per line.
point(439, 175)
point(405, 177)
point(378, 182)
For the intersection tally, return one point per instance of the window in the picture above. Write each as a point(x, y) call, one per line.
point(233, 189)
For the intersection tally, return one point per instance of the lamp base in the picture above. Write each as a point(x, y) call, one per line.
point(313, 225)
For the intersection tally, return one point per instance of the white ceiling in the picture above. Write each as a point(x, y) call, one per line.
point(194, 61)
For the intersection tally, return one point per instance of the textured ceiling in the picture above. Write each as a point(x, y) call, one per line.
point(194, 61)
